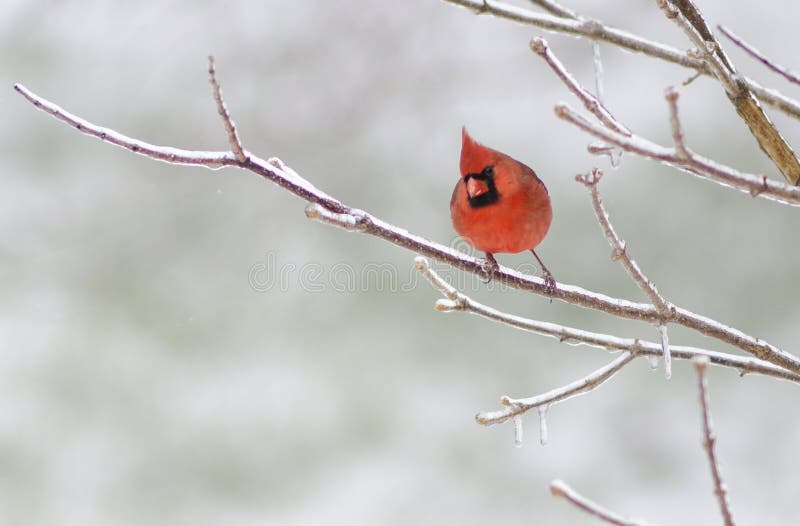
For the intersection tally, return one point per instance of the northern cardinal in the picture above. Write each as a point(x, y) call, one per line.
point(499, 205)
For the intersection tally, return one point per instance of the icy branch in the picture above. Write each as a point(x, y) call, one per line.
point(540, 47)
point(516, 406)
point(755, 185)
point(281, 174)
point(618, 134)
point(708, 443)
point(457, 301)
point(560, 489)
point(596, 30)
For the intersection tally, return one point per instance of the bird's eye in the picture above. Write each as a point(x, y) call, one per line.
point(488, 171)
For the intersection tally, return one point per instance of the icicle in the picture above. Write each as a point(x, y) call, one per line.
point(543, 424)
point(662, 330)
point(518, 431)
point(598, 72)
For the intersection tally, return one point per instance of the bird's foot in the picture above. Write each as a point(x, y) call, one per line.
point(489, 266)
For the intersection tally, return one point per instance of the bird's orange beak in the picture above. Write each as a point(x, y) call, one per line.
point(476, 188)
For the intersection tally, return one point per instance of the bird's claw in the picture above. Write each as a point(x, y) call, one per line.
point(489, 267)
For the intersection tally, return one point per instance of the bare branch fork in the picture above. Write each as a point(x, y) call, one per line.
point(333, 211)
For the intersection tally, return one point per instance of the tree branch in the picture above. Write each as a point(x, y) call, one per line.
point(560, 489)
point(756, 54)
point(596, 30)
point(708, 443)
point(455, 301)
point(276, 171)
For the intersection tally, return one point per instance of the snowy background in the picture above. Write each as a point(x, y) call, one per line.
point(144, 380)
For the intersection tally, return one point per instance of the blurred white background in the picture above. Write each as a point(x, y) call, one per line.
point(144, 381)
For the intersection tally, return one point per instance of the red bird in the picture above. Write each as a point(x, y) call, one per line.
point(500, 205)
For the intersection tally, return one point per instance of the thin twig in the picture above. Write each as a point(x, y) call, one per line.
point(555, 9)
point(592, 103)
point(689, 18)
point(708, 444)
point(754, 185)
point(671, 95)
point(457, 301)
point(596, 30)
point(230, 127)
point(517, 406)
point(619, 247)
point(559, 488)
point(786, 73)
point(279, 173)
point(620, 253)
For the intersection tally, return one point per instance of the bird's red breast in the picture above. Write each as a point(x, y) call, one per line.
point(498, 204)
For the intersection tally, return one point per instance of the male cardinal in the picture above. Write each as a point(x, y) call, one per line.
point(499, 205)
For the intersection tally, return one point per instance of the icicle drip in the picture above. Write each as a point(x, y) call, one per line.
point(543, 424)
point(653, 359)
point(518, 431)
